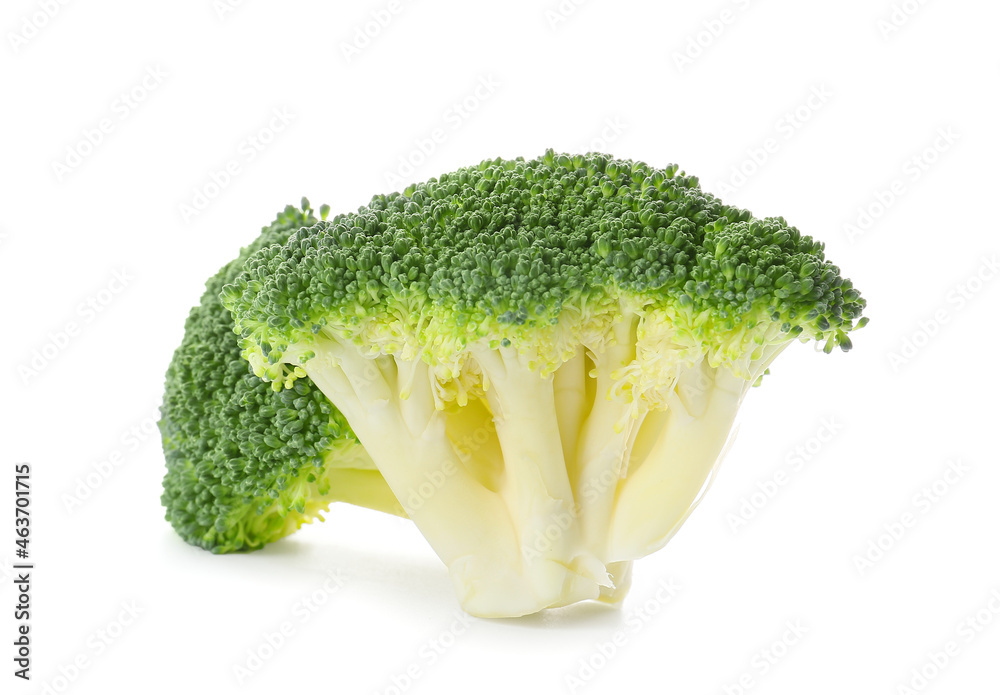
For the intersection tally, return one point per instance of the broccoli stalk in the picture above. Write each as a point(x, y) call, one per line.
point(591, 325)
point(475, 529)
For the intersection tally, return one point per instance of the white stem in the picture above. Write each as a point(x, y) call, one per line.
point(524, 410)
point(570, 386)
point(653, 502)
point(535, 482)
point(470, 527)
point(605, 440)
point(657, 497)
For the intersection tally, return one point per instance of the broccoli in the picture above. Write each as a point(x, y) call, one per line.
point(247, 465)
point(543, 358)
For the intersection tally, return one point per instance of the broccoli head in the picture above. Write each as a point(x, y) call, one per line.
point(543, 358)
point(247, 465)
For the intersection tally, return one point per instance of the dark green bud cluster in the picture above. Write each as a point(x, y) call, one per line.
point(499, 249)
point(242, 460)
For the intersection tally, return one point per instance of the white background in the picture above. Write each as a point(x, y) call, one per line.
point(715, 88)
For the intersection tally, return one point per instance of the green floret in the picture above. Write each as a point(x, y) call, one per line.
point(591, 323)
point(491, 250)
point(247, 465)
